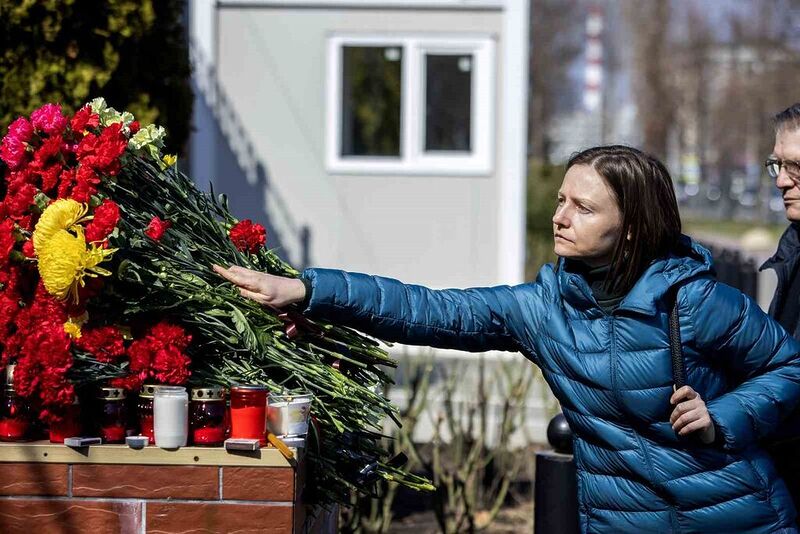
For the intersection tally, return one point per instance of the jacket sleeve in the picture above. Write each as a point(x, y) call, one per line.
point(756, 350)
point(476, 320)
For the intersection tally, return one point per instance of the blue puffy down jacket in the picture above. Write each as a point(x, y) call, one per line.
point(613, 377)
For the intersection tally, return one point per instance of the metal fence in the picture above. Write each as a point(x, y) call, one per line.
point(736, 269)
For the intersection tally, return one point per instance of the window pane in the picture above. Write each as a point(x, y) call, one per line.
point(448, 97)
point(371, 83)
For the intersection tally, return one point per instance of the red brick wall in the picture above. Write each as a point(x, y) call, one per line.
point(39, 498)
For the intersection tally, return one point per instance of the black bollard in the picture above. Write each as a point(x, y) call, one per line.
point(556, 488)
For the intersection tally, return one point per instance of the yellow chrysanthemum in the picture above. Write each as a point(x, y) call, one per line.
point(62, 214)
point(65, 260)
point(74, 324)
point(73, 329)
point(169, 159)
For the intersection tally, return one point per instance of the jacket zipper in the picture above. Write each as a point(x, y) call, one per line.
point(642, 446)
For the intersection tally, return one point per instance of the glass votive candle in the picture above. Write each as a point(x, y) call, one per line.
point(171, 417)
point(144, 411)
point(249, 412)
point(113, 415)
point(15, 413)
point(207, 418)
point(287, 415)
point(70, 424)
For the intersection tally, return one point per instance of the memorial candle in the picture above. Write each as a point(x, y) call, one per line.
point(249, 412)
point(207, 416)
point(113, 415)
point(15, 420)
point(171, 417)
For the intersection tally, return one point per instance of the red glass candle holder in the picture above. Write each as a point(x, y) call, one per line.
point(69, 426)
point(207, 419)
point(15, 419)
point(15, 412)
point(113, 415)
point(249, 412)
point(144, 409)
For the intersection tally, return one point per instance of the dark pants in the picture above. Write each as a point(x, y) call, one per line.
point(786, 456)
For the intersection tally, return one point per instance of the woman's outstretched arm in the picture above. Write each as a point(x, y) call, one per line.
point(756, 349)
point(476, 319)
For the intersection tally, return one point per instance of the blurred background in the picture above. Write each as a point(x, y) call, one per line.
point(425, 140)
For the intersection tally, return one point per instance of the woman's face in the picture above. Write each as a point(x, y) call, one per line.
point(587, 221)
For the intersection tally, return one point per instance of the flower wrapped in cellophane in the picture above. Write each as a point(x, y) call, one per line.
point(105, 266)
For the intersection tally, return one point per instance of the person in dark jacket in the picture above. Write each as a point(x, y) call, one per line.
point(783, 165)
point(648, 459)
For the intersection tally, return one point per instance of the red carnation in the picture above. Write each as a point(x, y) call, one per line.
point(102, 152)
point(134, 127)
point(9, 308)
point(26, 175)
point(131, 382)
point(49, 151)
point(140, 355)
point(84, 118)
point(247, 236)
point(27, 249)
point(26, 376)
point(159, 355)
point(50, 176)
point(7, 240)
point(67, 181)
point(18, 199)
point(163, 334)
point(171, 366)
point(156, 229)
point(105, 343)
point(86, 182)
point(106, 217)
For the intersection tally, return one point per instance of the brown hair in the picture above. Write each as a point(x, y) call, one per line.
point(643, 189)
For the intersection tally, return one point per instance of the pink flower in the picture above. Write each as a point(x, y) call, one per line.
point(49, 119)
point(21, 129)
point(13, 152)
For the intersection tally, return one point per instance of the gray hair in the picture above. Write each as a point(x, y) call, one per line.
point(788, 119)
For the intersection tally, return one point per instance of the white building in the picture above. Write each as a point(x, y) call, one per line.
point(379, 136)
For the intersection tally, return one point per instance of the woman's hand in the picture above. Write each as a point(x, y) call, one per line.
point(266, 289)
point(691, 415)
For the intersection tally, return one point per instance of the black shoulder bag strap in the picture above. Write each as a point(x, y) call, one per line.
point(675, 345)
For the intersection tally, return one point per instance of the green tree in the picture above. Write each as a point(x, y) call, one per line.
point(543, 183)
point(132, 52)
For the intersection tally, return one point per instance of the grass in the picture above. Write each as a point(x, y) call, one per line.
point(732, 229)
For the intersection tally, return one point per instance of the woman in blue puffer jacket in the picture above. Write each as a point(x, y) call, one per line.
point(597, 325)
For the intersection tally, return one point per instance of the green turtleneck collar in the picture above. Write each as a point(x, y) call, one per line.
point(596, 277)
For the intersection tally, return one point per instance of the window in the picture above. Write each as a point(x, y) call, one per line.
point(410, 105)
point(448, 106)
point(371, 80)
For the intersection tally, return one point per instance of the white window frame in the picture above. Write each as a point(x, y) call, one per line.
point(413, 159)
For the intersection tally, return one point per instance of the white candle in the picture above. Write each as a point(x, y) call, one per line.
point(171, 416)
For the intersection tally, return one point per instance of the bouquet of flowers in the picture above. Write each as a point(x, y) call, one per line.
point(105, 274)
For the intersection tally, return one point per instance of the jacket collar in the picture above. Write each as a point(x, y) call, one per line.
point(688, 260)
point(788, 249)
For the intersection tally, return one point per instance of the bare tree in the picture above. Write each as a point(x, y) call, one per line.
point(554, 44)
point(649, 24)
